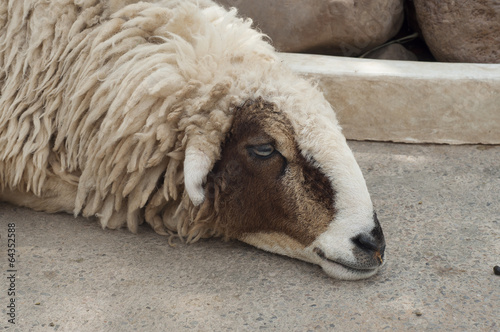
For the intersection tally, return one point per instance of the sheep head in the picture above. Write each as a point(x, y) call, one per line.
point(264, 191)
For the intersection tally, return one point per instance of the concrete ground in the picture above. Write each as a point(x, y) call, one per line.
point(439, 207)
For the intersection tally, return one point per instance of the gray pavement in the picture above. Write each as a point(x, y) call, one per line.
point(439, 207)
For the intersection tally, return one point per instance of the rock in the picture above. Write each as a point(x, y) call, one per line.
point(461, 31)
point(392, 52)
point(337, 27)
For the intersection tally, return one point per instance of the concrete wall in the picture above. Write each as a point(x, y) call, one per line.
point(405, 101)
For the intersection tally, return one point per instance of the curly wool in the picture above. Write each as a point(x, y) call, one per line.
point(105, 98)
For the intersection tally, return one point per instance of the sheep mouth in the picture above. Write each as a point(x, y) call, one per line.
point(345, 265)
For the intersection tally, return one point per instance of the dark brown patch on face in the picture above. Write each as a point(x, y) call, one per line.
point(281, 192)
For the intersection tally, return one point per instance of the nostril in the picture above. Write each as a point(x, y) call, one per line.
point(366, 242)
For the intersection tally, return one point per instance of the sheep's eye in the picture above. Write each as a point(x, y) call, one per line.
point(262, 151)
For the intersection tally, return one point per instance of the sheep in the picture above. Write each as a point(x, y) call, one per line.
point(179, 114)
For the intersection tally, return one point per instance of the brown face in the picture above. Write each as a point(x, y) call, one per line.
point(262, 184)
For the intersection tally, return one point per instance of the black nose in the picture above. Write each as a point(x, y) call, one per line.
point(373, 242)
point(366, 242)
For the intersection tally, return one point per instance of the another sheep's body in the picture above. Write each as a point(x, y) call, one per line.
point(119, 109)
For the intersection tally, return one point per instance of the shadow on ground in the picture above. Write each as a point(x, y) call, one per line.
point(439, 206)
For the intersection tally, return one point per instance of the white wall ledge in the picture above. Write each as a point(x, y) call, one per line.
point(406, 101)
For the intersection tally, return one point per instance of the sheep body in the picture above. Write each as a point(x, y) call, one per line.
point(118, 109)
point(102, 103)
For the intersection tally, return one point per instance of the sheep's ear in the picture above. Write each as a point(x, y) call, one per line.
point(196, 167)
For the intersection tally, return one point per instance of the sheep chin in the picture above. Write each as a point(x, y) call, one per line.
point(282, 244)
point(278, 243)
point(343, 272)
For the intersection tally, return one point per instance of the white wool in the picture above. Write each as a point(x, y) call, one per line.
point(114, 92)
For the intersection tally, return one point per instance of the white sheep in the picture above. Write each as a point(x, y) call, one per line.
point(179, 114)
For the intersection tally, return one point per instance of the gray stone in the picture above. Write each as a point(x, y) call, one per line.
point(392, 52)
point(461, 31)
point(340, 27)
